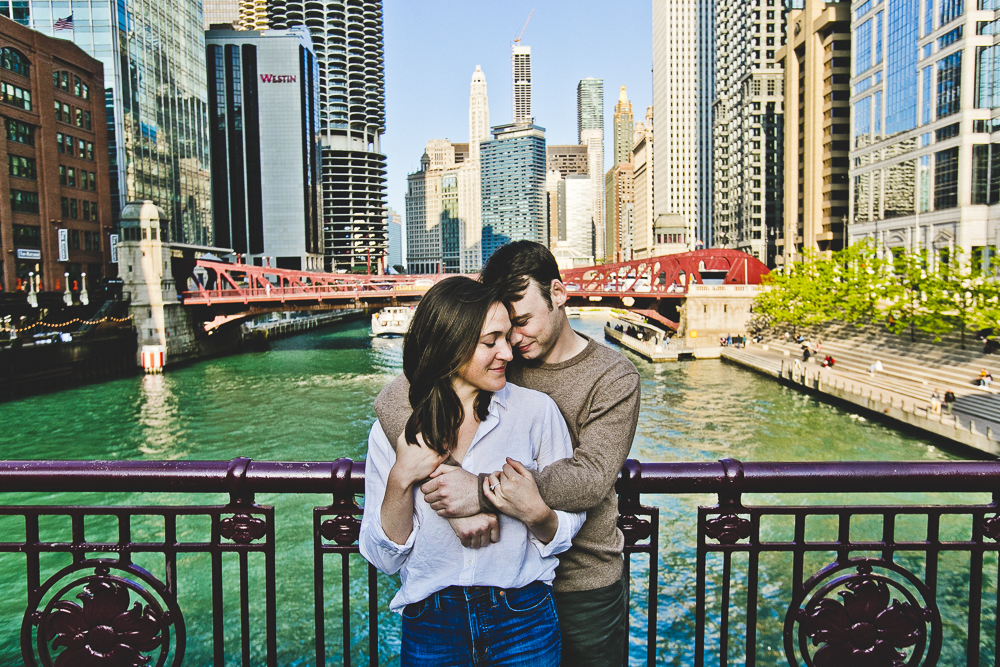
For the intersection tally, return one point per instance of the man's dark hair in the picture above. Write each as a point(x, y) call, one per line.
point(511, 268)
point(441, 339)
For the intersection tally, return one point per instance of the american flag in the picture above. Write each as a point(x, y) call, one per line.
point(63, 24)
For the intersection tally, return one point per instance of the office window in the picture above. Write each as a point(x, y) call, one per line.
point(946, 132)
point(862, 47)
point(77, 86)
point(73, 209)
point(899, 189)
point(15, 96)
point(92, 181)
point(950, 38)
point(71, 177)
point(78, 117)
point(81, 144)
point(951, 10)
point(75, 235)
point(58, 109)
point(949, 82)
point(862, 121)
point(946, 179)
point(62, 174)
point(15, 61)
point(987, 77)
point(21, 167)
point(877, 115)
point(924, 184)
point(85, 206)
point(69, 144)
point(93, 211)
point(88, 244)
point(23, 202)
point(986, 174)
point(64, 80)
point(928, 17)
point(60, 142)
point(86, 92)
point(27, 236)
point(878, 38)
point(86, 120)
point(902, 20)
point(64, 205)
point(20, 132)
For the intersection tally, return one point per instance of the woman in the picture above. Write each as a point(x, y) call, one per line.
point(461, 606)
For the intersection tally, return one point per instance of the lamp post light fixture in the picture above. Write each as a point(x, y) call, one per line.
point(67, 294)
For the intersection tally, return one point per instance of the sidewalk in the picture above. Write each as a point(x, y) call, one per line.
point(891, 398)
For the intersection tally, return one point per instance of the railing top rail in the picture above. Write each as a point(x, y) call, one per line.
point(245, 476)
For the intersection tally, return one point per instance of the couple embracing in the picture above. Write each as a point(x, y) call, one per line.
point(490, 475)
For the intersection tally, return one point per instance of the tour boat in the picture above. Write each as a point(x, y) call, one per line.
point(392, 321)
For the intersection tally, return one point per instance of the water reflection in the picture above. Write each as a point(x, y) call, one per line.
point(158, 418)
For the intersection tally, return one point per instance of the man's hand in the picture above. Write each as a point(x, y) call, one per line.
point(476, 531)
point(452, 492)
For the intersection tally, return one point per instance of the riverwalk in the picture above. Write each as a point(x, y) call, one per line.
point(901, 391)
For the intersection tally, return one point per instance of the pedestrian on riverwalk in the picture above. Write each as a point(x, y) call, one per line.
point(875, 368)
point(936, 401)
point(985, 378)
point(805, 353)
point(949, 400)
point(828, 361)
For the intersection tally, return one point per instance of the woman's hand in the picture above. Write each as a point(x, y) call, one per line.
point(513, 491)
point(414, 463)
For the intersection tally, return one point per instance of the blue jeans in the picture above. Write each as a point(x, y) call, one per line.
point(482, 626)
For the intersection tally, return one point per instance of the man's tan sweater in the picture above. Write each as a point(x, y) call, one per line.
point(597, 392)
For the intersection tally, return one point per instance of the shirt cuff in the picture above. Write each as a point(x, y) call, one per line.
point(390, 548)
point(569, 524)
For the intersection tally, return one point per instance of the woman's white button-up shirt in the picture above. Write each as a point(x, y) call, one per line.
point(523, 424)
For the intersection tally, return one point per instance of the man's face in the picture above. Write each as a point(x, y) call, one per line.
point(536, 324)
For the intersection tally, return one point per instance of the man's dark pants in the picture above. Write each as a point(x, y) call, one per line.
point(594, 625)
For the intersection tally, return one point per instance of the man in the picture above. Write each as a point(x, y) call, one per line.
point(597, 391)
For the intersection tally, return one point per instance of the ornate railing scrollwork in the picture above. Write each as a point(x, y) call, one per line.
point(886, 617)
point(123, 619)
point(242, 528)
point(345, 527)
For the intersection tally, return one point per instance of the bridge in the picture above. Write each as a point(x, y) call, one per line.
point(229, 292)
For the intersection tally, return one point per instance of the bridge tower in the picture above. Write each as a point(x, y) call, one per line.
point(144, 264)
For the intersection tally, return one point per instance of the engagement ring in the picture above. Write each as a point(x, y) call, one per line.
point(493, 486)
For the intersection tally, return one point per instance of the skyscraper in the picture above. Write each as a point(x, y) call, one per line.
point(394, 224)
point(749, 128)
point(470, 196)
point(590, 130)
point(513, 186)
point(156, 99)
point(347, 38)
point(925, 90)
point(683, 90)
point(619, 241)
point(816, 62)
point(642, 187)
point(265, 183)
point(520, 59)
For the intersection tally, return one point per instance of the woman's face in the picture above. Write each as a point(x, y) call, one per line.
point(486, 370)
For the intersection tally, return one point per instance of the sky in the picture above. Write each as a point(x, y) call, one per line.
point(432, 48)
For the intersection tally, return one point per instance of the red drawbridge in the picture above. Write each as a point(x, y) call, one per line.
point(648, 286)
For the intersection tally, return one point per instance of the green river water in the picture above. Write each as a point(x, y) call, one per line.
point(310, 398)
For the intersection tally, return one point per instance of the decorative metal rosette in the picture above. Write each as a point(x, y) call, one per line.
point(119, 616)
point(866, 613)
point(727, 528)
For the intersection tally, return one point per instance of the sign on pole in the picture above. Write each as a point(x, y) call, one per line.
point(63, 245)
point(114, 248)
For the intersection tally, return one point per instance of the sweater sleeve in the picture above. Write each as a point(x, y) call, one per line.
point(392, 406)
point(604, 439)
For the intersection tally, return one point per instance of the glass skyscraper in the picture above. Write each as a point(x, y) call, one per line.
point(153, 53)
point(513, 186)
point(925, 127)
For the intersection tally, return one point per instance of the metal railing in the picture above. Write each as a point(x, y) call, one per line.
point(872, 598)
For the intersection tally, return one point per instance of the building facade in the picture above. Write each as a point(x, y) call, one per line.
point(520, 62)
point(265, 146)
point(619, 222)
point(155, 94)
point(218, 13)
point(347, 39)
point(55, 214)
point(394, 227)
point(642, 187)
point(590, 131)
point(575, 242)
point(816, 64)
point(513, 186)
point(749, 127)
point(925, 171)
point(683, 92)
point(470, 197)
point(567, 159)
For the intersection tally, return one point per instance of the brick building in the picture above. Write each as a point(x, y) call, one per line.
point(55, 204)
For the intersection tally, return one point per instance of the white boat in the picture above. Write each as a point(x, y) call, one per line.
point(392, 321)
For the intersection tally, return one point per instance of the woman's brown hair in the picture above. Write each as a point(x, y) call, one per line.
point(442, 337)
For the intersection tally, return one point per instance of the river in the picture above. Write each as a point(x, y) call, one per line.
point(310, 398)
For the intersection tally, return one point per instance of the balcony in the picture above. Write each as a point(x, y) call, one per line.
point(750, 583)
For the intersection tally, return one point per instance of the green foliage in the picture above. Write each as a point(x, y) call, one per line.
point(899, 290)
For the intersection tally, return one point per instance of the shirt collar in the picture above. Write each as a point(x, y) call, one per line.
point(500, 398)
